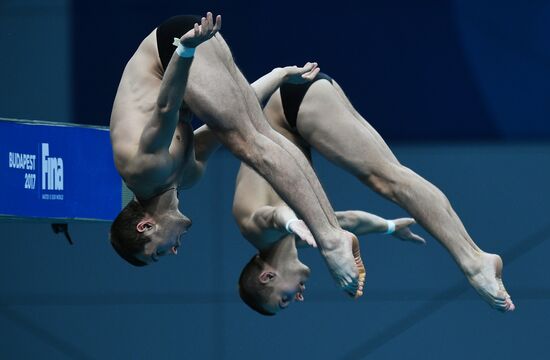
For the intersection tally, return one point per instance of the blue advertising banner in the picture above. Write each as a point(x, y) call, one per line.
point(61, 171)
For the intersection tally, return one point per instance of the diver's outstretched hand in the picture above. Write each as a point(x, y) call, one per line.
point(403, 232)
point(203, 32)
point(301, 75)
point(300, 229)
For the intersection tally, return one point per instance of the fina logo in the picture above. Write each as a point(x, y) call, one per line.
point(52, 170)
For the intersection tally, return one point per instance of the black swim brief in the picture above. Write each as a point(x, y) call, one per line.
point(292, 96)
point(172, 28)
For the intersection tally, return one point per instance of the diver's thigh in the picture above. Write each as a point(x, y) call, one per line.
point(212, 93)
point(376, 136)
point(328, 125)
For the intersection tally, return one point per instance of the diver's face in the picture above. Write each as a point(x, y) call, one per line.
point(287, 288)
point(165, 235)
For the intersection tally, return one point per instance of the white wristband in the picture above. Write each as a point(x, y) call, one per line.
point(391, 227)
point(287, 225)
point(184, 52)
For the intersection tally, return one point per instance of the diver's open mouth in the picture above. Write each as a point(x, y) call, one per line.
point(300, 294)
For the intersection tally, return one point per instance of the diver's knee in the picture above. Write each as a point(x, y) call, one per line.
point(386, 180)
point(252, 150)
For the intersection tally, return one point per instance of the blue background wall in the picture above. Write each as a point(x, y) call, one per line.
point(60, 301)
point(420, 70)
point(470, 75)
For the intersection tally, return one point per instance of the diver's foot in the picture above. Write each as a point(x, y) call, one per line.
point(485, 275)
point(345, 264)
point(360, 266)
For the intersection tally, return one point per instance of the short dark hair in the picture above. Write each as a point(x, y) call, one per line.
point(124, 237)
point(252, 291)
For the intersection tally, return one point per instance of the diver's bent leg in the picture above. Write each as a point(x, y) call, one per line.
point(214, 96)
point(262, 126)
point(329, 125)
